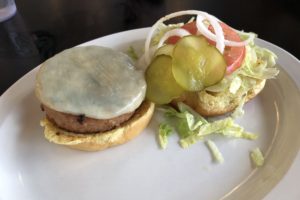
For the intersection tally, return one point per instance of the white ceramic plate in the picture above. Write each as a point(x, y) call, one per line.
point(32, 168)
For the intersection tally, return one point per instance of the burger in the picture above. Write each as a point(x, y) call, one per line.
point(205, 64)
point(93, 98)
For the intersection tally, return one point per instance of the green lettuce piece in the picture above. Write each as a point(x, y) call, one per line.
point(259, 64)
point(225, 127)
point(188, 119)
point(216, 127)
point(235, 85)
point(161, 30)
point(188, 124)
point(217, 156)
point(236, 131)
point(185, 108)
point(170, 111)
point(164, 131)
point(245, 35)
point(249, 136)
point(222, 86)
point(257, 157)
point(239, 111)
point(188, 141)
point(132, 54)
point(192, 127)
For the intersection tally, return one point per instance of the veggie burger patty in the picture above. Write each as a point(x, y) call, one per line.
point(83, 124)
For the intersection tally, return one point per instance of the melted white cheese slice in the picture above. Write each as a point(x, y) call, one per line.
point(95, 81)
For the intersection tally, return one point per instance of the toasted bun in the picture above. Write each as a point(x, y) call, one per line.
point(100, 141)
point(213, 104)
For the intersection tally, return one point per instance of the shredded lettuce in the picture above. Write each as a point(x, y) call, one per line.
point(249, 136)
point(239, 111)
point(215, 151)
point(257, 157)
point(192, 127)
point(225, 127)
point(170, 112)
point(161, 30)
point(188, 141)
point(164, 131)
point(259, 64)
point(185, 108)
point(235, 85)
point(132, 54)
point(245, 35)
point(221, 86)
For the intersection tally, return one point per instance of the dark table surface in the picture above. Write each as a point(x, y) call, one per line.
point(42, 28)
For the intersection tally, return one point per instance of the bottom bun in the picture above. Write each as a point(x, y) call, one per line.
point(99, 141)
point(213, 104)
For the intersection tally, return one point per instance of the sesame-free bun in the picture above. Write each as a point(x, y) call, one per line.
point(99, 141)
point(213, 104)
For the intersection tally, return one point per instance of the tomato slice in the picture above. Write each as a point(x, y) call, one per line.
point(190, 27)
point(234, 56)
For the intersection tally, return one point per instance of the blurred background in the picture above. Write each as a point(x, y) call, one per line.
point(41, 28)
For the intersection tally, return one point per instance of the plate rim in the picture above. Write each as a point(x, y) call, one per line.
point(9, 92)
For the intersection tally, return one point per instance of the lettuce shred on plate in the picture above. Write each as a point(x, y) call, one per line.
point(132, 53)
point(215, 151)
point(165, 130)
point(257, 157)
point(192, 127)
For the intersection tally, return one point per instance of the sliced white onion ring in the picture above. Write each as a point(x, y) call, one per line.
point(161, 20)
point(208, 34)
point(175, 32)
point(141, 63)
point(218, 37)
point(250, 38)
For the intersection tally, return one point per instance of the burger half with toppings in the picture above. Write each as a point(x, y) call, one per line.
point(204, 63)
point(93, 98)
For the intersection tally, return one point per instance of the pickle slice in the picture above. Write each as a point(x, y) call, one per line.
point(161, 85)
point(165, 50)
point(196, 64)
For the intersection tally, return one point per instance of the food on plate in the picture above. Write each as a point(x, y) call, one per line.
point(211, 67)
point(192, 127)
point(257, 157)
point(93, 98)
point(215, 151)
point(203, 68)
